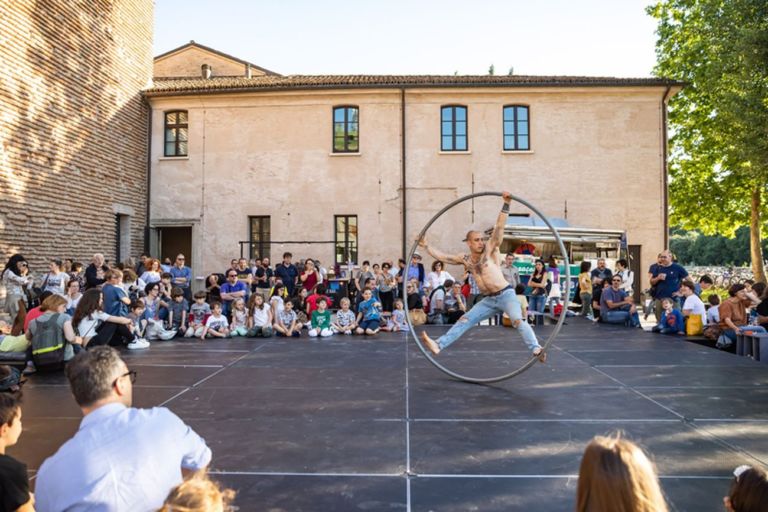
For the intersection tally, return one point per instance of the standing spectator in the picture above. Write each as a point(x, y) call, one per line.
point(264, 278)
point(400, 275)
point(166, 265)
point(585, 287)
point(181, 277)
point(615, 475)
point(15, 278)
point(385, 282)
point(231, 290)
point(55, 281)
point(438, 276)
point(310, 277)
point(416, 270)
point(538, 285)
point(115, 441)
point(508, 268)
point(14, 484)
point(601, 273)
point(666, 277)
point(94, 274)
point(627, 277)
point(616, 307)
point(288, 273)
point(153, 274)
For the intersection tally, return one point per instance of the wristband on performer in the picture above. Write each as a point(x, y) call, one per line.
point(505, 208)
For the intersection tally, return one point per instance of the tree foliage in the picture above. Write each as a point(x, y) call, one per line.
point(719, 121)
point(694, 248)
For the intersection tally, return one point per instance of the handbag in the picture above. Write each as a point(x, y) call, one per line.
point(694, 326)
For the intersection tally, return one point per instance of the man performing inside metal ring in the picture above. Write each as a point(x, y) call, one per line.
point(484, 263)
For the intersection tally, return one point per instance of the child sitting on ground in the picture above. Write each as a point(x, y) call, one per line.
point(198, 314)
point(397, 321)
point(321, 320)
point(177, 311)
point(345, 318)
point(259, 317)
point(286, 324)
point(369, 314)
point(217, 325)
point(138, 321)
point(672, 321)
point(749, 490)
point(239, 318)
point(15, 483)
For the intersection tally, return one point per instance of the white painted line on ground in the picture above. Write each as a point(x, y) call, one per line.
point(278, 473)
point(512, 420)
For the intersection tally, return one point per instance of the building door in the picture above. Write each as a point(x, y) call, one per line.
point(174, 240)
point(634, 266)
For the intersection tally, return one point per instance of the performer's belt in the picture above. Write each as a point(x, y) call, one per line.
point(509, 287)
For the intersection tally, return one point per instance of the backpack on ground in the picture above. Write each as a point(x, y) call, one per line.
point(48, 345)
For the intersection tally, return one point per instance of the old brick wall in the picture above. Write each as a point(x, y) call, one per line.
point(73, 126)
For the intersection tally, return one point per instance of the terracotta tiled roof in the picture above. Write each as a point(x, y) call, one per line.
point(181, 86)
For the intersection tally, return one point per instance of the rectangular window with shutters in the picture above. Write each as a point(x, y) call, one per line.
point(176, 133)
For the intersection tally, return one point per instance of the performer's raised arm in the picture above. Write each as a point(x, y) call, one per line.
point(455, 259)
point(497, 237)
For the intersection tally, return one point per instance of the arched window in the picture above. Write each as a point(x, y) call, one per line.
point(346, 130)
point(176, 133)
point(453, 128)
point(516, 132)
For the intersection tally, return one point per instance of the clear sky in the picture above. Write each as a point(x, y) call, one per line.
point(535, 37)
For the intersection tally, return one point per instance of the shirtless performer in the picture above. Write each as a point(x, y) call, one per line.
point(484, 263)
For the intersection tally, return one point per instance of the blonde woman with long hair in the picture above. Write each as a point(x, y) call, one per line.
point(198, 493)
point(617, 476)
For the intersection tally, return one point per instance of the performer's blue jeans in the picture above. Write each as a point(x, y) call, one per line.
point(505, 302)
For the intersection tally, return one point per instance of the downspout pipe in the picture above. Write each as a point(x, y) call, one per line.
point(665, 178)
point(404, 249)
point(149, 178)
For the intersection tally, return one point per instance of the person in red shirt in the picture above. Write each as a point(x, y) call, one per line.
point(310, 277)
point(316, 296)
point(35, 312)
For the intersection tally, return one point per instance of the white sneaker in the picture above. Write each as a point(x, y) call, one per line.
point(590, 317)
point(138, 344)
point(168, 335)
point(347, 332)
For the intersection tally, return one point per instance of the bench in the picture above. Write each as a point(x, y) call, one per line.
point(752, 345)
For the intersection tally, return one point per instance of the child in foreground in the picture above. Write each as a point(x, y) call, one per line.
point(14, 484)
point(217, 325)
point(369, 314)
point(397, 321)
point(198, 314)
point(286, 323)
point(321, 320)
point(672, 321)
point(345, 318)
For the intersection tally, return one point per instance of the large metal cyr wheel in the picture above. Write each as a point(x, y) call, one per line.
point(552, 336)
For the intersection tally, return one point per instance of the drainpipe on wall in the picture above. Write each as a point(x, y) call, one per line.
point(665, 177)
point(402, 172)
point(149, 179)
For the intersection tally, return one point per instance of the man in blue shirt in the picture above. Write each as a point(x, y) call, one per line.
point(181, 276)
point(121, 458)
point(616, 307)
point(232, 290)
point(666, 277)
point(287, 272)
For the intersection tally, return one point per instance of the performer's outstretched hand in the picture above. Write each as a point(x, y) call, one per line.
point(506, 196)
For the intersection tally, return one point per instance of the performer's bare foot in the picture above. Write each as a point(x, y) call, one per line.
point(429, 343)
point(516, 323)
point(539, 352)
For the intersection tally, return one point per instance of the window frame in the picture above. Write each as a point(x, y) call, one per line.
point(515, 135)
point(177, 126)
point(453, 122)
point(351, 251)
point(264, 245)
point(346, 124)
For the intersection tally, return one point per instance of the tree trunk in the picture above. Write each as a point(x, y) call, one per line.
point(755, 250)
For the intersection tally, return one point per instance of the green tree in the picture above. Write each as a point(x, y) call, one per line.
point(492, 70)
point(719, 146)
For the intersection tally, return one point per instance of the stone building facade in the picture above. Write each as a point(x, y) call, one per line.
point(73, 143)
point(265, 158)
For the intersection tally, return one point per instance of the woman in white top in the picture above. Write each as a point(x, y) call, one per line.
point(95, 326)
point(438, 276)
point(627, 277)
point(55, 281)
point(152, 274)
point(693, 304)
point(15, 278)
point(73, 296)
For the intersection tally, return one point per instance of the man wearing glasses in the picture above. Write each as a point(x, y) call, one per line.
point(121, 458)
point(616, 307)
point(232, 290)
point(484, 264)
point(181, 276)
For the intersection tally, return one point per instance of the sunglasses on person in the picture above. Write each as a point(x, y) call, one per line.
point(232, 275)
